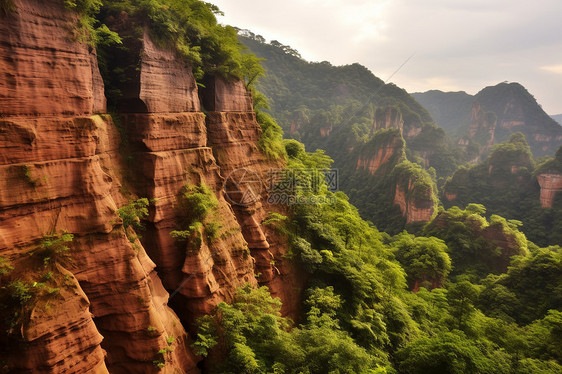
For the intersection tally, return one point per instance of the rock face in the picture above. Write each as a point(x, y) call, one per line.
point(61, 171)
point(482, 128)
point(104, 307)
point(550, 185)
point(42, 71)
point(67, 179)
point(412, 206)
point(381, 154)
point(498, 111)
point(386, 118)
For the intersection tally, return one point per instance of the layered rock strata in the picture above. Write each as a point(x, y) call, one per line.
point(101, 308)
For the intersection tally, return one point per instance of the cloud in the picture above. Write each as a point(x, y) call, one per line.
point(461, 45)
point(556, 69)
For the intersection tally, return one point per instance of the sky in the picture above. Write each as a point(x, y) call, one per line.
point(454, 45)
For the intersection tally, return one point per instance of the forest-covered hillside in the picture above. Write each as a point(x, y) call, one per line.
point(122, 249)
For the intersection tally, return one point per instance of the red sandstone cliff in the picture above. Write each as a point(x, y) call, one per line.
point(61, 171)
point(382, 153)
point(415, 205)
point(550, 185)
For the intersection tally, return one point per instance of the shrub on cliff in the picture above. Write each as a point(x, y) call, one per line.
point(190, 26)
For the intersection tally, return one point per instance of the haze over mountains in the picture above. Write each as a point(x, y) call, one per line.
point(490, 116)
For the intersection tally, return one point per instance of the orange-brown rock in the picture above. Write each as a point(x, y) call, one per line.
point(222, 95)
point(386, 118)
point(414, 209)
point(380, 156)
point(482, 124)
point(76, 190)
point(550, 185)
point(233, 137)
point(60, 335)
point(61, 170)
point(43, 69)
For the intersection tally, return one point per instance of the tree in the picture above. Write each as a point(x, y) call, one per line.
point(447, 353)
point(461, 297)
point(424, 259)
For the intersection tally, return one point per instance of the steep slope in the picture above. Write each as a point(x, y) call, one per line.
point(60, 173)
point(490, 116)
point(348, 112)
point(508, 183)
point(89, 299)
point(450, 110)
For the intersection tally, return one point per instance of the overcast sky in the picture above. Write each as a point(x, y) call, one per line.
point(456, 44)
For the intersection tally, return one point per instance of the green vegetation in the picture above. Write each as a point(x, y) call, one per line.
point(353, 115)
point(53, 248)
point(358, 314)
point(425, 260)
point(133, 213)
point(505, 183)
point(476, 246)
point(190, 26)
point(197, 215)
point(496, 98)
point(504, 104)
point(271, 141)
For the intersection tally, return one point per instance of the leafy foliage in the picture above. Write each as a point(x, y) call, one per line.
point(53, 247)
point(476, 246)
point(423, 259)
point(133, 213)
point(506, 184)
point(190, 26)
point(357, 315)
point(196, 212)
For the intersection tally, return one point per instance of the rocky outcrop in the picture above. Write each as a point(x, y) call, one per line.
point(188, 148)
point(482, 126)
point(222, 95)
point(415, 205)
point(72, 184)
point(381, 154)
point(550, 185)
point(386, 118)
point(77, 190)
point(60, 171)
point(233, 137)
point(42, 70)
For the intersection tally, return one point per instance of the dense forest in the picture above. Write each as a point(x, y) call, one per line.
point(475, 289)
point(478, 308)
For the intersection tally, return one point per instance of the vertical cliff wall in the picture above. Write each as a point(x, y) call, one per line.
point(102, 306)
point(105, 308)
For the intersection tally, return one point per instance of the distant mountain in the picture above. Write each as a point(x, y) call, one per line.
point(374, 131)
point(557, 118)
point(450, 110)
point(491, 116)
